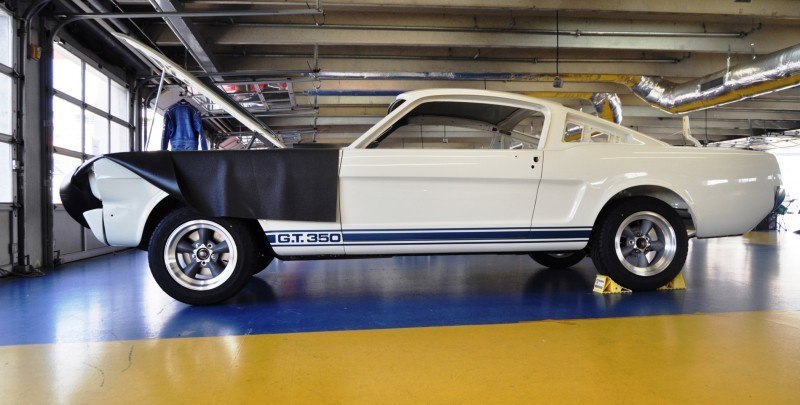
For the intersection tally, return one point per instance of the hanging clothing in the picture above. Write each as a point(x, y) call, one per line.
point(182, 128)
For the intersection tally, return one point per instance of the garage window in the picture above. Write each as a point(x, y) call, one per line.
point(464, 125)
point(67, 75)
point(6, 184)
point(6, 104)
point(90, 111)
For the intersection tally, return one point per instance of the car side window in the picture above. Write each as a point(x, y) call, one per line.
point(573, 132)
point(464, 125)
point(600, 137)
point(579, 132)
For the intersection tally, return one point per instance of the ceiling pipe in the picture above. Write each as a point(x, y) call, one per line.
point(452, 58)
point(776, 71)
point(73, 17)
point(526, 31)
point(608, 106)
point(773, 72)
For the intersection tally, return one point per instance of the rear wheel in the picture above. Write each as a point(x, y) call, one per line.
point(558, 260)
point(201, 260)
point(641, 243)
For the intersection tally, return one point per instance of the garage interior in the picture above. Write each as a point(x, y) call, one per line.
point(85, 322)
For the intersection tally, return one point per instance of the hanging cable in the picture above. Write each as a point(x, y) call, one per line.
point(557, 82)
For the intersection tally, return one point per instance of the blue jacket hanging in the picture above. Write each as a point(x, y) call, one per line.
point(182, 128)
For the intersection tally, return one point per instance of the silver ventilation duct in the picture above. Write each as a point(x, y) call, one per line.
point(776, 71)
point(608, 106)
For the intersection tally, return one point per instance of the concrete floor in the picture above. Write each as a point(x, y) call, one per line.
point(497, 328)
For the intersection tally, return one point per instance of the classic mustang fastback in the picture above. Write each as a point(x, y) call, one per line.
point(446, 171)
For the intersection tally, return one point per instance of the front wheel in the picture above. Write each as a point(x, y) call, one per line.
point(201, 260)
point(558, 260)
point(641, 243)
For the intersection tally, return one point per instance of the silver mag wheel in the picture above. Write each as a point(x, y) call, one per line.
point(200, 255)
point(640, 242)
point(647, 243)
point(201, 260)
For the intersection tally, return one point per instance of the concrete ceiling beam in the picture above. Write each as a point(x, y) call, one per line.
point(244, 35)
point(785, 9)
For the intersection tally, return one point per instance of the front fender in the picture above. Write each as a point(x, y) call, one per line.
point(124, 200)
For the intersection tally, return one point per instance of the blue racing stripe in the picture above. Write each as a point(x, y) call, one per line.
point(409, 236)
point(428, 243)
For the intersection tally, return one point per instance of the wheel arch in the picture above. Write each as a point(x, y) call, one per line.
point(159, 211)
point(169, 204)
point(662, 193)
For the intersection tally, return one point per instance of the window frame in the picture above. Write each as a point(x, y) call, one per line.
point(591, 129)
point(400, 111)
point(384, 129)
point(8, 138)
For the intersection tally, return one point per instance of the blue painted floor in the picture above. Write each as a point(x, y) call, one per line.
point(114, 297)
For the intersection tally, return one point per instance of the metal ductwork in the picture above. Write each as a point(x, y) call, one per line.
point(608, 106)
point(776, 71)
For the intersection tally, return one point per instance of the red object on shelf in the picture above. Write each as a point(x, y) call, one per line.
point(231, 143)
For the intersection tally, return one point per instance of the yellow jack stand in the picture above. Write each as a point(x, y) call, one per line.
point(605, 285)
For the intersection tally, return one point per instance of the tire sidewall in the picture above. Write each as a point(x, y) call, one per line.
point(246, 260)
point(603, 243)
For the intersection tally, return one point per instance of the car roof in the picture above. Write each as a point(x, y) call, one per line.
point(417, 94)
point(552, 105)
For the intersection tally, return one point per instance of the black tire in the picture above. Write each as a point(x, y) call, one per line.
point(227, 266)
point(664, 246)
point(558, 260)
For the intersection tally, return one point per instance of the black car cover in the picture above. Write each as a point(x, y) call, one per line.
point(278, 184)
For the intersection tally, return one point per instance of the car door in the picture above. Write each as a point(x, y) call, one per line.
point(439, 192)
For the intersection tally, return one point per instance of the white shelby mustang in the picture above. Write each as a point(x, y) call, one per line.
point(447, 171)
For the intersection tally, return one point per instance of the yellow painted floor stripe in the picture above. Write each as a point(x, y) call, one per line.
point(732, 357)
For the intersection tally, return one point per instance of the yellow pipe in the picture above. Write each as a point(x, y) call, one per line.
point(631, 80)
point(605, 112)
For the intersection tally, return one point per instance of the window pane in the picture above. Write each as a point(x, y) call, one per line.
point(119, 101)
point(6, 38)
point(5, 105)
point(119, 138)
point(6, 185)
point(67, 128)
point(67, 72)
point(463, 125)
point(96, 88)
point(598, 136)
point(62, 166)
point(158, 129)
point(573, 132)
point(96, 134)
